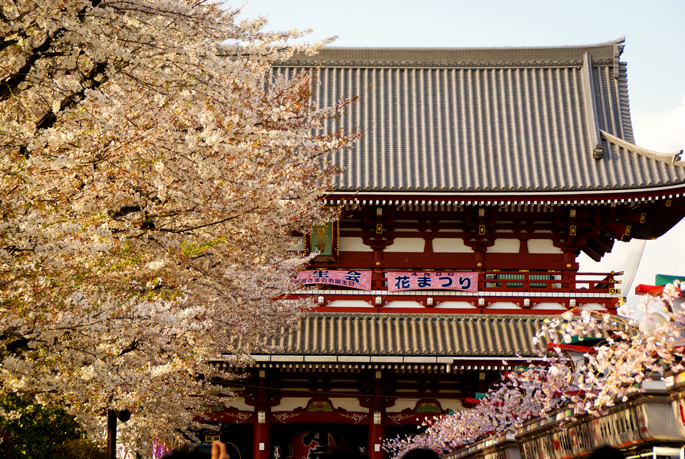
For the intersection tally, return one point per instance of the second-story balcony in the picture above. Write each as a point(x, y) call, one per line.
point(470, 292)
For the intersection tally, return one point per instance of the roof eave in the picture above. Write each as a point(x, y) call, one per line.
point(574, 196)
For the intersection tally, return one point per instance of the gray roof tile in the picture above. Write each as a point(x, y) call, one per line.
point(412, 335)
point(486, 120)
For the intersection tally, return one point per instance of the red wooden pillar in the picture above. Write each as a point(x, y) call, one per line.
point(262, 428)
point(262, 441)
point(376, 438)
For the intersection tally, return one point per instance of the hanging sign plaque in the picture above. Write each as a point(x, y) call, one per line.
point(360, 280)
point(464, 281)
point(321, 240)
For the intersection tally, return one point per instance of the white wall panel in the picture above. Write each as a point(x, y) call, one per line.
point(407, 244)
point(353, 244)
point(450, 245)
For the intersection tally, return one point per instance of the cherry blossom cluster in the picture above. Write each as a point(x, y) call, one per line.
point(629, 352)
point(154, 170)
point(521, 395)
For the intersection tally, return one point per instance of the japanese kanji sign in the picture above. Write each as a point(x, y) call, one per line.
point(360, 280)
point(321, 239)
point(466, 281)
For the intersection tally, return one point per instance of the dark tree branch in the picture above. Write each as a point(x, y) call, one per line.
point(10, 85)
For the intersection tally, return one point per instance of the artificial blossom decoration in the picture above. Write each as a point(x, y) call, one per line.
point(153, 172)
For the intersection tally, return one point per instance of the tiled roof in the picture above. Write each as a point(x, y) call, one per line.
point(486, 120)
point(464, 335)
point(458, 57)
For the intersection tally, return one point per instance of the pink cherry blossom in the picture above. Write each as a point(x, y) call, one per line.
point(154, 170)
point(588, 382)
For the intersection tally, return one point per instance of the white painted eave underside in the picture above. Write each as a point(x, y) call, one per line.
point(477, 361)
point(501, 198)
point(454, 293)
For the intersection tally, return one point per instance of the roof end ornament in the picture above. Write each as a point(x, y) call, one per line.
point(618, 50)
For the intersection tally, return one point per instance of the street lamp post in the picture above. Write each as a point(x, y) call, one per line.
point(111, 434)
point(112, 416)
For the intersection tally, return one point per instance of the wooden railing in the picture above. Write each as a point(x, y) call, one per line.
point(557, 281)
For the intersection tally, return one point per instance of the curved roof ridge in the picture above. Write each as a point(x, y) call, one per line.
point(670, 158)
point(617, 41)
point(505, 56)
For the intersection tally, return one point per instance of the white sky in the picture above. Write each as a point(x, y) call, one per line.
point(655, 43)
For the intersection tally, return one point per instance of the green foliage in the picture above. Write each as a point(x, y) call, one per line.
point(192, 249)
point(34, 431)
point(80, 449)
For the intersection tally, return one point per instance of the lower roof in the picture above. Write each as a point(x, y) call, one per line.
point(408, 335)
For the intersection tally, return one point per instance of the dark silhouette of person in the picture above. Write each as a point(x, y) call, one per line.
point(218, 451)
point(343, 453)
point(420, 453)
point(605, 452)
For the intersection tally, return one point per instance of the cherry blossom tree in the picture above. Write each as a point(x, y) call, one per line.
point(153, 172)
point(518, 397)
point(630, 352)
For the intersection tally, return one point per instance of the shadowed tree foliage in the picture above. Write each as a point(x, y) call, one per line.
point(41, 432)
